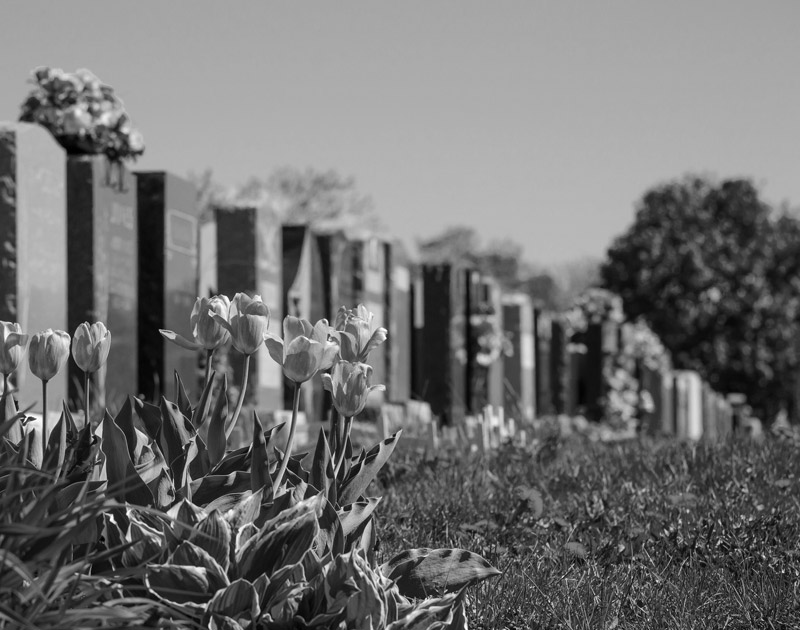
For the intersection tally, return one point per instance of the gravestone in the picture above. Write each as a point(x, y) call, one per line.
point(592, 373)
point(542, 332)
point(493, 296)
point(338, 270)
point(689, 414)
point(103, 268)
point(33, 245)
point(167, 218)
point(651, 384)
point(442, 343)
point(399, 341)
point(668, 417)
point(375, 297)
point(559, 367)
point(710, 421)
point(519, 367)
point(246, 244)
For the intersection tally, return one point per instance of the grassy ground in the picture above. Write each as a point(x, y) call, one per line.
point(646, 534)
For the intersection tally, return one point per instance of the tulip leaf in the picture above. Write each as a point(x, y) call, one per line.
point(212, 487)
point(353, 515)
point(10, 425)
point(181, 399)
point(330, 537)
point(150, 417)
point(245, 511)
point(124, 420)
point(426, 572)
point(124, 484)
point(213, 534)
point(200, 413)
point(179, 584)
point(217, 442)
point(441, 613)
point(238, 460)
point(321, 474)
point(259, 469)
point(176, 433)
point(57, 446)
point(277, 546)
point(148, 543)
point(363, 472)
point(191, 555)
point(238, 598)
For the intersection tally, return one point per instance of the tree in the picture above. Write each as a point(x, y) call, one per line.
point(714, 271)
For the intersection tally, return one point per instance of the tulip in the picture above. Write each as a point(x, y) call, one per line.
point(208, 333)
point(49, 351)
point(356, 335)
point(12, 347)
point(303, 351)
point(90, 346)
point(248, 320)
point(349, 385)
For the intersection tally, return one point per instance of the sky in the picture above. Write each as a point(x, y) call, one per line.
point(543, 122)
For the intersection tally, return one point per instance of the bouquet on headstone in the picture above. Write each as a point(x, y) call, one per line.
point(83, 114)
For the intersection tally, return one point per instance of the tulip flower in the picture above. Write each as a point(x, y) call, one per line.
point(208, 333)
point(356, 335)
point(247, 322)
point(303, 351)
point(90, 346)
point(49, 351)
point(12, 348)
point(349, 385)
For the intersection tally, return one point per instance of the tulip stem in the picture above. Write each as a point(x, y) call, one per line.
point(87, 379)
point(241, 395)
point(288, 452)
point(44, 421)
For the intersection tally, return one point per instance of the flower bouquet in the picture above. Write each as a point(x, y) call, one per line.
point(83, 114)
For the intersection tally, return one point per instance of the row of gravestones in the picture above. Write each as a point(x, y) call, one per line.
point(83, 243)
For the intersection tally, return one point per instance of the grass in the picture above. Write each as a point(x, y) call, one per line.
point(645, 534)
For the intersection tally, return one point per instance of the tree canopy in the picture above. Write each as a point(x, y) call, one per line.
point(716, 273)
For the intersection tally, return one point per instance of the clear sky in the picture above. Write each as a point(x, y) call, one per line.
point(539, 121)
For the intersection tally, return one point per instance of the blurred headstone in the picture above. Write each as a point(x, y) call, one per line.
point(33, 245)
point(519, 367)
point(400, 329)
point(247, 250)
point(542, 334)
point(442, 342)
point(103, 268)
point(167, 218)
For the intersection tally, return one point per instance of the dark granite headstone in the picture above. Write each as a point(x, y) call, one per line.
point(518, 368)
point(249, 260)
point(542, 334)
point(593, 382)
point(710, 421)
point(559, 367)
point(442, 344)
point(103, 267)
point(33, 244)
point(167, 215)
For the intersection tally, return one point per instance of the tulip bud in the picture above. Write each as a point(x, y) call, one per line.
point(248, 319)
point(90, 346)
point(208, 333)
point(12, 347)
point(304, 349)
point(49, 351)
point(356, 335)
point(349, 384)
